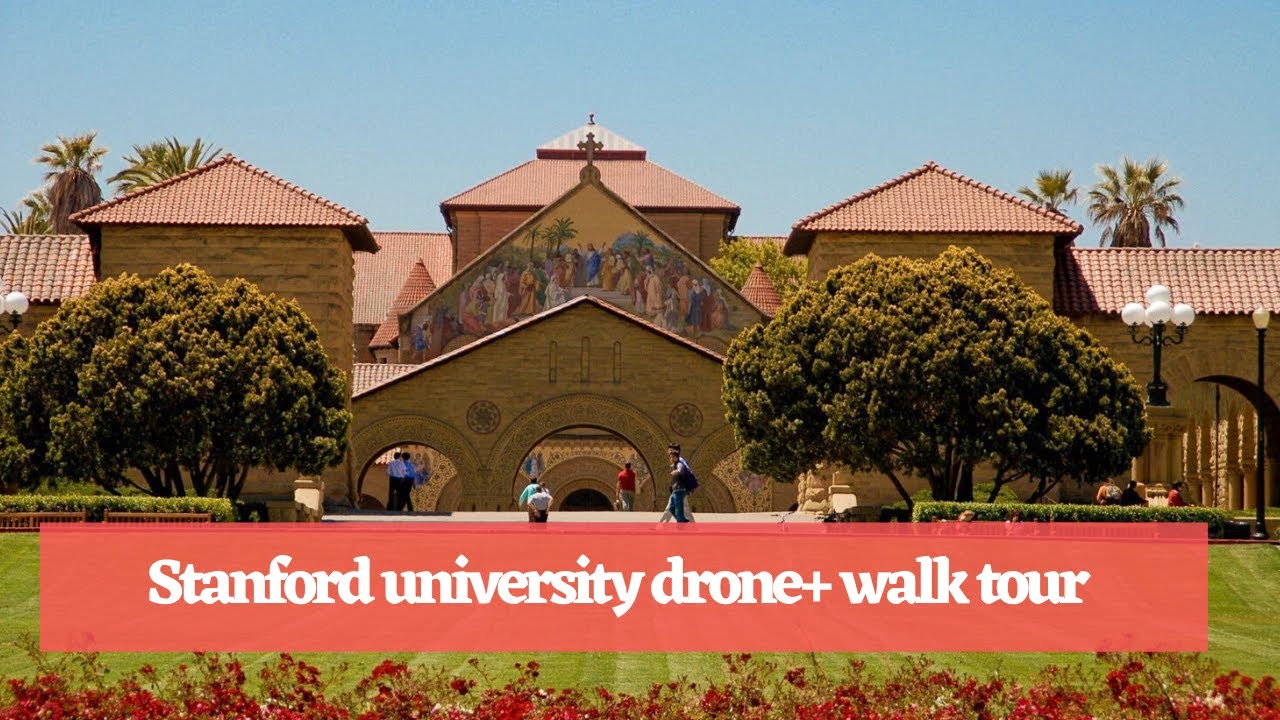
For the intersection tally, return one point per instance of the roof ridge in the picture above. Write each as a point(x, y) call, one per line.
point(864, 194)
point(227, 158)
point(486, 181)
point(409, 232)
point(673, 172)
point(997, 192)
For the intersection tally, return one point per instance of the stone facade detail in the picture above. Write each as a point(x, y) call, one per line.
point(483, 417)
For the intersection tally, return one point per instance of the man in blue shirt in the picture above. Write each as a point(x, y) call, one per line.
point(395, 473)
point(680, 474)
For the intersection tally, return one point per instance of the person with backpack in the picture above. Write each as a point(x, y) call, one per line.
point(683, 482)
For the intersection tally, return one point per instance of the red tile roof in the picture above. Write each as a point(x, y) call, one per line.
point(46, 268)
point(534, 319)
point(380, 275)
point(366, 375)
point(1211, 280)
point(931, 199)
point(537, 183)
point(759, 290)
point(228, 191)
point(417, 286)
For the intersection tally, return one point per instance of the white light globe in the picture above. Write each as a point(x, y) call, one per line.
point(1183, 315)
point(1133, 314)
point(1159, 293)
point(1260, 318)
point(1159, 312)
point(16, 302)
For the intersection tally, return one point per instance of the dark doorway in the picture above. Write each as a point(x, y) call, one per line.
point(586, 499)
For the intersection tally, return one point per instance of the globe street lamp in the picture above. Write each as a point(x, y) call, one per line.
point(14, 305)
point(1260, 319)
point(1157, 313)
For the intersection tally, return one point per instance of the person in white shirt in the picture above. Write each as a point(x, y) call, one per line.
point(540, 504)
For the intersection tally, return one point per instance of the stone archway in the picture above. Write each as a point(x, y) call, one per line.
point(1249, 393)
point(703, 460)
point(577, 410)
point(577, 474)
point(368, 444)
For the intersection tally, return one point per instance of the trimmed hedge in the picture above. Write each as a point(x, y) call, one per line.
point(220, 509)
point(1216, 519)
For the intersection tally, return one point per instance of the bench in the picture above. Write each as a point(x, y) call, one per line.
point(31, 521)
point(149, 518)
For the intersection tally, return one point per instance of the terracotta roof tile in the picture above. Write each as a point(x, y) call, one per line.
point(537, 183)
point(46, 268)
point(366, 375)
point(417, 286)
point(931, 199)
point(759, 290)
point(380, 275)
point(228, 191)
point(534, 319)
point(1211, 280)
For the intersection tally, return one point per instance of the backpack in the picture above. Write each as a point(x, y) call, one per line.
point(1113, 493)
point(690, 481)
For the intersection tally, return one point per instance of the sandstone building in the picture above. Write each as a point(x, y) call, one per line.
point(567, 322)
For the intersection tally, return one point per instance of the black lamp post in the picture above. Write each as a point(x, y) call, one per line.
point(14, 305)
point(1260, 319)
point(1157, 313)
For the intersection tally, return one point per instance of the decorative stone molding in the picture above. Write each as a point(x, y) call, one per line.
point(685, 419)
point(454, 455)
point(483, 417)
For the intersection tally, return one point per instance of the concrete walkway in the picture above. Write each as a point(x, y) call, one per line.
point(375, 516)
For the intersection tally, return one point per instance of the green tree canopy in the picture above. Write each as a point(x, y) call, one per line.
point(1133, 200)
point(72, 163)
point(1053, 190)
point(33, 218)
point(160, 160)
point(930, 368)
point(737, 256)
point(187, 382)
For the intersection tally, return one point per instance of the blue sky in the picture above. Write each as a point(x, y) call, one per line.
point(388, 108)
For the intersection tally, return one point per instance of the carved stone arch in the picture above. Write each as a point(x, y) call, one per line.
point(576, 410)
point(373, 440)
point(1246, 392)
point(703, 460)
point(583, 472)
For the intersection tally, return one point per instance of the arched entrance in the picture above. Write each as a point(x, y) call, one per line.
point(1222, 450)
point(434, 469)
point(580, 466)
point(451, 461)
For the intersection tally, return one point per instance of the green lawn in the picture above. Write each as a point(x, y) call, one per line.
point(1244, 634)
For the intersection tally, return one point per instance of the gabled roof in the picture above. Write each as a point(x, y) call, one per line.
point(417, 286)
point(759, 291)
point(380, 275)
point(46, 268)
point(366, 375)
point(615, 147)
point(228, 191)
point(931, 199)
point(533, 320)
point(536, 183)
point(1214, 281)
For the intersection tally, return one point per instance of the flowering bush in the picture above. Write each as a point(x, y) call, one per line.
point(1182, 687)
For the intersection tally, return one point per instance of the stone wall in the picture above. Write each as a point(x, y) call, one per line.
point(1030, 256)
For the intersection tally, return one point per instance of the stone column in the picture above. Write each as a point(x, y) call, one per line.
point(1161, 463)
point(1231, 460)
point(308, 495)
point(1248, 454)
point(1208, 465)
point(1192, 476)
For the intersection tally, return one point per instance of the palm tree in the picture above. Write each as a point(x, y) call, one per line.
point(33, 221)
point(72, 162)
point(557, 234)
point(160, 160)
point(1132, 201)
point(1053, 190)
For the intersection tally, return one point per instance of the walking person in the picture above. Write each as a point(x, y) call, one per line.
point(527, 493)
point(540, 505)
point(682, 483)
point(407, 479)
point(626, 488)
point(395, 471)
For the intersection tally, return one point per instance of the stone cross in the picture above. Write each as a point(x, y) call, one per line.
point(591, 146)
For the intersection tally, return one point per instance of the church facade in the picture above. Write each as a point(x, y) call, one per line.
point(568, 321)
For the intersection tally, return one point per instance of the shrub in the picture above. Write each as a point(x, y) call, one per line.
point(219, 508)
point(1216, 519)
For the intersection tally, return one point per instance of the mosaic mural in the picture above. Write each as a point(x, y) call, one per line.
point(552, 264)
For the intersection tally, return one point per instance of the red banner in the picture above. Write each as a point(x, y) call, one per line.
point(625, 587)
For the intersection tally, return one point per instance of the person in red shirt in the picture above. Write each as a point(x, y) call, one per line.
point(1174, 498)
point(627, 488)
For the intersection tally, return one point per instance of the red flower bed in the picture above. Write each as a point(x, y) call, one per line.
point(213, 687)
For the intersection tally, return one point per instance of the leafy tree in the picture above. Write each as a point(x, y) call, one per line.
point(159, 161)
point(31, 219)
point(930, 368)
point(1133, 200)
point(737, 256)
point(176, 379)
point(1053, 190)
point(71, 164)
